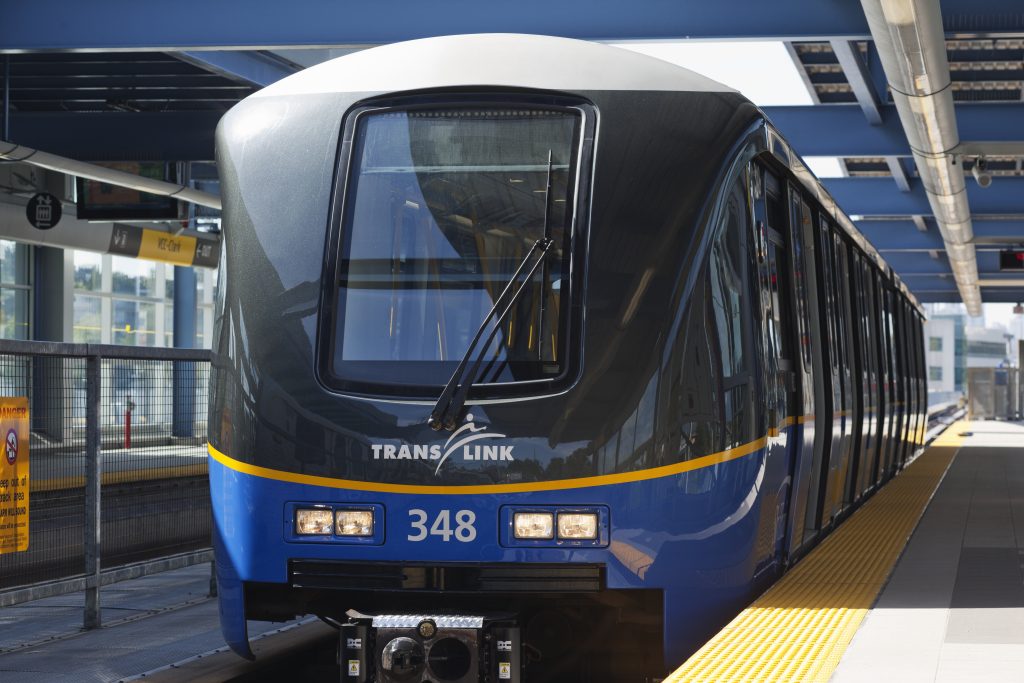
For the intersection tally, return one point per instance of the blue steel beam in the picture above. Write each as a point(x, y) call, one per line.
point(841, 129)
point(990, 295)
point(118, 136)
point(859, 78)
point(918, 268)
point(264, 24)
point(243, 66)
point(908, 264)
point(899, 173)
point(934, 283)
point(880, 197)
point(903, 235)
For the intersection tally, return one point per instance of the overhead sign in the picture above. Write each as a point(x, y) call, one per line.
point(14, 479)
point(156, 245)
point(99, 201)
point(43, 211)
point(1011, 259)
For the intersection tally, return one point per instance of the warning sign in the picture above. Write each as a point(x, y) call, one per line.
point(14, 480)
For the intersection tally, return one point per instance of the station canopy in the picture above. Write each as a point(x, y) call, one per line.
point(123, 80)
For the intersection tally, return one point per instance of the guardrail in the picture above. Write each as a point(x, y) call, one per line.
point(116, 452)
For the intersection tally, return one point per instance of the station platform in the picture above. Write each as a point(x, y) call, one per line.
point(869, 606)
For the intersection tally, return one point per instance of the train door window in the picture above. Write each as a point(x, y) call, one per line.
point(797, 218)
point(442, 205)
point(779, 309)
point(729, 269)
point(831, 308)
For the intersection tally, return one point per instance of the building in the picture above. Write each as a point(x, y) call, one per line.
point(940, 353)
point(988, 347)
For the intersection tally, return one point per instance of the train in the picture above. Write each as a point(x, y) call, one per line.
point(535, 359)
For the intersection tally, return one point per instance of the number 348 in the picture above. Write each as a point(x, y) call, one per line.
point(464, 531)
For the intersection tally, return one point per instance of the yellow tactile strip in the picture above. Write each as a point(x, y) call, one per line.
point(798, 630)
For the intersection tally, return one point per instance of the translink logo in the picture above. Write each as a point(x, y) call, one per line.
point(459, 441)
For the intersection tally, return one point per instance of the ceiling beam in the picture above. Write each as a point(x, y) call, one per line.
point(909, 264)
point(260, 24)
point(877, 196)
point(118, 136)
point(903, 235)
point(990, 295)
point(899, 173)
point(857, 75)
point(841, 129)
point(934, 283)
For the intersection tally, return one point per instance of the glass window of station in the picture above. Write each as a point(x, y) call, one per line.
point(443, 205)
point(119, 300)
point(15, 290)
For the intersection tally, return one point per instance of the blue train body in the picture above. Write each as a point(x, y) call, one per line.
point(693, 366)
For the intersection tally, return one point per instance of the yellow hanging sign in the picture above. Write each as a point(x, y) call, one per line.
point(162, 246)
point(14, 477)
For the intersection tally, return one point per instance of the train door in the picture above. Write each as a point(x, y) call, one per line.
point(809, 446)
point(922, 376)
point(781, 386)
point(892, 379)
point(852, 374)
point(833, 472)
point(906, 399)
point(881, 378)
point(868, 451)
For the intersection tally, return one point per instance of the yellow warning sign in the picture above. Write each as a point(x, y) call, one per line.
point(162, 246)
point(14, 480)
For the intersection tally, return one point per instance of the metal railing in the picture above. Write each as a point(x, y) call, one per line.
point(117, 463)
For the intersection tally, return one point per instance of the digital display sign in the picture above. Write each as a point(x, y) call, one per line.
point(1011, 259)
point(104, 202)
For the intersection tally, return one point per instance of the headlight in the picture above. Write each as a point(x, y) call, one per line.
point(577, 525)
point(533, 525)
point(354, 522)
point(313, 522)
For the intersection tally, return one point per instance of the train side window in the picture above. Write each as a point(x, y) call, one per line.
point(728, 287)
point(729, 272)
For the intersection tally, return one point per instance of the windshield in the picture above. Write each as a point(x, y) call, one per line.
point(442, 206)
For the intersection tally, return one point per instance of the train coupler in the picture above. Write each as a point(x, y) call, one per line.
point(400, 648)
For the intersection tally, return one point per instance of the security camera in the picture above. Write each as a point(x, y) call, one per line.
point(981, 176)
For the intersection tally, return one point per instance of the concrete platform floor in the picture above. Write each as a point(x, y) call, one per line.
point(149, 622)
point(953, 609)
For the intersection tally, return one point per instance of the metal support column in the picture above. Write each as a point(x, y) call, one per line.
point(93, 476)
point(47, 298)
point(184, 382)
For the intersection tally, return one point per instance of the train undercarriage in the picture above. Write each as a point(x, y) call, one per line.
point(476, 624)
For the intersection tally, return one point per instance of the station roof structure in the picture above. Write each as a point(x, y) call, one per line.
point(124, 80)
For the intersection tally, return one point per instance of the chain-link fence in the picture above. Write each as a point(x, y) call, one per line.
point(116, 433)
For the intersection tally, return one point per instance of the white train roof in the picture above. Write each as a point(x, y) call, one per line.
point(495, 59)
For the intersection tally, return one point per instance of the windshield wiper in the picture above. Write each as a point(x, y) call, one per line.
point(447, 410)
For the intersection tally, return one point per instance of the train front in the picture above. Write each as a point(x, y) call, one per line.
point(385, 211)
